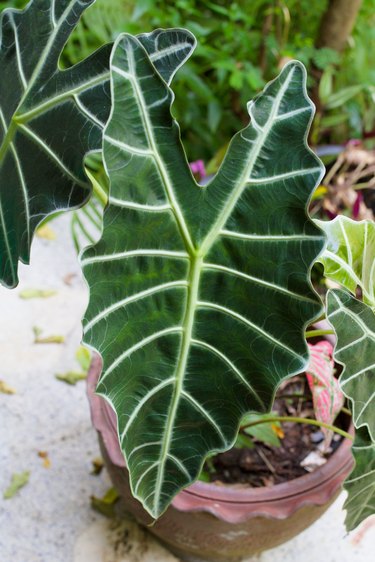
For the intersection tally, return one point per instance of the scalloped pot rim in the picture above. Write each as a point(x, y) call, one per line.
point(232, 503)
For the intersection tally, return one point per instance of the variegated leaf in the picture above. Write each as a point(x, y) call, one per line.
point(327, 396)
point(199, 296)
point(349, 258)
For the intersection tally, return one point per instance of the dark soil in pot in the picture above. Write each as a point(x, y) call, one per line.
point(267, 465)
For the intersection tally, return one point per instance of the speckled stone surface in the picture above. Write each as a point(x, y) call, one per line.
point(41, 522)
point(50, 519)
point(327, 540)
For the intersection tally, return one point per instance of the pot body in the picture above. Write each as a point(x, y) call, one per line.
point(207, 522)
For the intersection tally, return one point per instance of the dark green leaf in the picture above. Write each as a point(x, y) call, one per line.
point(361, 483)
point(42, 108)
point(354, 324)
point(199, 295)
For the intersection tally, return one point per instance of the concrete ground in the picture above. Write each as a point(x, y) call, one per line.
point(45, 429)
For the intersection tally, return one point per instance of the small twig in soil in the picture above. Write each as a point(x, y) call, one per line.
point(265, 460)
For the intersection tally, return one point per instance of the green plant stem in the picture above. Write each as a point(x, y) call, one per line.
point(346, 411)
point(317, 333)
point(97, 189)
point(299, 420)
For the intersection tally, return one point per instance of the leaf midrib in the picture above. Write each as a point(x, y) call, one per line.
point(253, 156)
point(196, 257)
point(22, 118)
point(132, 76)
point(188, 324)
point(52, 102)
point(193, 282)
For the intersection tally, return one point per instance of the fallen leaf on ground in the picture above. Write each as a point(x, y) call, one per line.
point(83, 357)
point(6, 389)
point(71, 377)
point(18, 481)
point(46, 232)
point(46, 460)
point(106, 504)
point(36, 294)
point(49, 339)
point(97, 465)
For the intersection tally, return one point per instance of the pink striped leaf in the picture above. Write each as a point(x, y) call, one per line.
point(327, 396)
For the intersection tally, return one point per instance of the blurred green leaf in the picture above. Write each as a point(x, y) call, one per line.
point(324, 57)
point(204, 476)
point(326, 84)
point(333, 120)
point(265, 432)
point(214, 115)
point(244, 442)
point(342, 96)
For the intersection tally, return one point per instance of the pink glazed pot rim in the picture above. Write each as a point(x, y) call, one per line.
point(314, 488)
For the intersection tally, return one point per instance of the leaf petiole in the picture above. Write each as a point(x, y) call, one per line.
point(317, 333)
point(299, 420)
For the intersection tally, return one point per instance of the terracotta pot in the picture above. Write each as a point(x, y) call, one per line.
point(227, 522)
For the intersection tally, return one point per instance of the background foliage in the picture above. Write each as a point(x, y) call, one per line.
point(241, 46)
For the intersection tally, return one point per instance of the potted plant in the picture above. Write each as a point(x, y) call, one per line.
point(216, 521)
point(199, 296)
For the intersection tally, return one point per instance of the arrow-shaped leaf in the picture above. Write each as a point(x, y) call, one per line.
point(354, 324)
point(50, 118)
point(168, 49)
point(199, 295)
point(361, 483)
point(41, 110)
point(349, 257)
